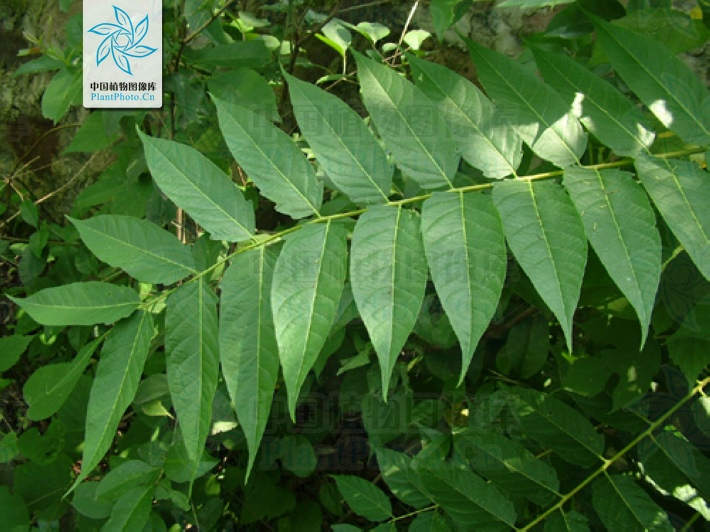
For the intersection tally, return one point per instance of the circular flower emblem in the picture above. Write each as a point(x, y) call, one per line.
point(122, 41)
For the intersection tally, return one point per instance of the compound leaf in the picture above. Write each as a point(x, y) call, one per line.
point(308, 280)
point(388, 273)
point(247, 341)
point(144, 250)
point(465, 249)
point(546, 236)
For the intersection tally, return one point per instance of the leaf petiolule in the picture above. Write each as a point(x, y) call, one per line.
point(602, 108)
point(622, 504)
point(465, 250)
point(271, 159)
point(540, 116)
point(484, 137)
point(679, 190)
point(547, 237)
point(145, 251)
point(86, 303)
point(197, 185)
point(117, 376)
point(344, 146)
point(364, 498)
point(678, 98)
point(192, 360)
point(410, 125)
point(621, 226)
point(308, 280)
point(388, 273)
point(247, 341)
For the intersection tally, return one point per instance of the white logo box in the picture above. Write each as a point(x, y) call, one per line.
point(123, 54)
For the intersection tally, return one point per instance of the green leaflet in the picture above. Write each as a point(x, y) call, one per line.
point(144, 250)
point(556, 425)
point(546, 236)
point(192, 360)
point(271, 159)
point(444, 13)
point(541, 117)
point(49, 387)
point(308, 280)
point(247, 341)
point(672, 92)
point(432, 521)
point(86, 303)
point(601, 107)
point(62, 91)
point(126, 476)
point(465, 497)
point(388, 273)
point(621, 226)
point(11, 349)
point(410, 125)
point(344, 146)
point(247, 88)
point(679, 468)
point(197, 185)
point(484, 137)
point(119, 370)
point(131, 511)
point(465, 249)
point(509, 465)
point(401, 478)
point(566, 522)
point(13, 512)
point(94, 134)
point(623, 505)
point(364, 498)
point(679, 190)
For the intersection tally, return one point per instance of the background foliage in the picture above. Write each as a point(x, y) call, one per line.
point(364, 293)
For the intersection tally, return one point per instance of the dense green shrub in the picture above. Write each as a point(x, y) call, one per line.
point(452, 309)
